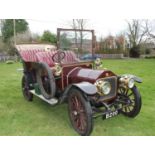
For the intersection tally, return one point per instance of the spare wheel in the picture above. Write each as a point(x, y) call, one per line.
point(46, 81)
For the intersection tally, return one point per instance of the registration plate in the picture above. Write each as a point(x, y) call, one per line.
point(111, 114)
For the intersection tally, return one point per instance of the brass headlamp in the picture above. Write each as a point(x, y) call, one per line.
point(57, 69)
point(127, 82)
point(103, 87)
point(98, 63)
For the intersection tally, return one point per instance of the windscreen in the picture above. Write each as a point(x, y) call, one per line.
point(77, 41)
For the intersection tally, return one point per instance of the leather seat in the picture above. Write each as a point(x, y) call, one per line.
point(46, 57)
point(30, 55)
point(70, 57)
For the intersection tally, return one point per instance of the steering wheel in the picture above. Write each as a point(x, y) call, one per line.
point(58, 57)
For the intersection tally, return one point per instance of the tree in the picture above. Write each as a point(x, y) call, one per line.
point(7, 28)
point(137, 30)
point(112, 44)
point(151, 28)
point(36, 38)
point(120, 42)
point(107, 43)
point(49, 37)
point(79, 24)
point(65, 43)
point(74, 26)
point(25, 37)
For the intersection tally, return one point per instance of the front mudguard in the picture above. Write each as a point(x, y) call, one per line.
point(137, 79)
point(85, 87)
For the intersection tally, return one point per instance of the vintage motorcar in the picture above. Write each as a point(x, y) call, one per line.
point(58, 77)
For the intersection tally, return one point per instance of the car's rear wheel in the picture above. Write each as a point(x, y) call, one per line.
point(26, 89)
point(131, 98)
point(80, 112)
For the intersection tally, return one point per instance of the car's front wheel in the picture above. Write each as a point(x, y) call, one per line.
point(131, 101)
point(80, 112)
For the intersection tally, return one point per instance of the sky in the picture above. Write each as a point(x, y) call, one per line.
point(102, 27)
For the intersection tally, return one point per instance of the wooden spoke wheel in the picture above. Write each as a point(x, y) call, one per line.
point(131, 101)
point(80, 112)
point(25, 89)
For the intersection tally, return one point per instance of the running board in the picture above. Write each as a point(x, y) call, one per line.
point(52, 101)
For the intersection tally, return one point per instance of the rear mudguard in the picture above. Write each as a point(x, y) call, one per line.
point(86, 87)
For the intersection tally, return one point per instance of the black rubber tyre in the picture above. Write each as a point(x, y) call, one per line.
point(48, 86)
point(25, 89)
point(80, 112)
point(134, 103)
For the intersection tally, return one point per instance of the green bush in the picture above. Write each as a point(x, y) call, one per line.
point(111, 51)
point(147, 51)
point(9, 62)
point(135, 52)
point(150, 57)
point(48, 37)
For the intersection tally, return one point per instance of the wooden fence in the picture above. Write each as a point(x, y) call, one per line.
point(4, 58)
point(112, 56)
point(109, 56)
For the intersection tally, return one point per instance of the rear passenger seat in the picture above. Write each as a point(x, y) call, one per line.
point(28, 51)
point(30, 55)
point(46, 57)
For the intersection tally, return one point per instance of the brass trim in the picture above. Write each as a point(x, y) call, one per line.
point(79, 63)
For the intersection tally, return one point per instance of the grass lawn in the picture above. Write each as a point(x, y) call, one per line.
point(19, 117)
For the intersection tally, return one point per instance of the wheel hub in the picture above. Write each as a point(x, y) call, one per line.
point(75, 113)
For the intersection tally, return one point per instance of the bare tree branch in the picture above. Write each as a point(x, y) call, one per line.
point(150, 29)
point(136, 31)
point(79, 24)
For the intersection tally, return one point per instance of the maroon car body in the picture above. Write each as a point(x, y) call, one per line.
point(79, 72)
